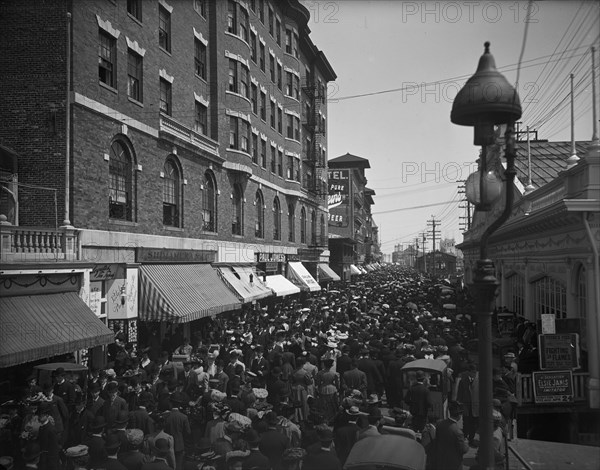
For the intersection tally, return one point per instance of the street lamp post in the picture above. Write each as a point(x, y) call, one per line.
point(487, 100)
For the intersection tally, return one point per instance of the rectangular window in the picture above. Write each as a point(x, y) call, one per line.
point(279, 76)
point(262, 57)
point(134, 75)
point(233, 133)
point(295, 45)
point(254, 98)
point(253, 40)
point(233, 76)
point(278, 32)
point(289, 83)
point(288, 41)
point(164, 28)
point(200, 59)
point(232, 17)
point(271, 22)
point(296, 87)
point(255, 148)
point(273, 159)
point(244, 136)
point(272, 67)
point(165, 97)
point(297, 129)
point(244, 80)
point(134, 8)
point(280, 120)
point(263, 153)
point(273, 111)
point(290, 167)
point(244, 24)
point(253, 5)
point(290, 126)
point(263, 106)
point(200, 124)
point(201, 7)
point(280, 163)
point(106, 59)
point(261, 11)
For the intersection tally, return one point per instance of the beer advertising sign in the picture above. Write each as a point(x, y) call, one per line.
point(339, 198)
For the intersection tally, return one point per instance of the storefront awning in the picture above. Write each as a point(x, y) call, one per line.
point(280, 286)
point(244, 282)
point(182, 293)
point(34, 327)
point(369, 267)
point(298, 274)
point(354, 270)
point(326, 273)
point(362, 270)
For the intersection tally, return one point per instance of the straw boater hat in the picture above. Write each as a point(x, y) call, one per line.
point(76, 451)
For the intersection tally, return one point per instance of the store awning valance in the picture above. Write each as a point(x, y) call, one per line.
point(281, 286)
point(326, 273)
point(34, 327)
point(182, 293)
point(299, 275)
point(354, 270)
point(244, 282)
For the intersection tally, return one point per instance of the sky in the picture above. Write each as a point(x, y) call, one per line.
point(399, 66)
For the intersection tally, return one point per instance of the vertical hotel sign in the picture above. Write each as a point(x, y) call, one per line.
point(339, 198)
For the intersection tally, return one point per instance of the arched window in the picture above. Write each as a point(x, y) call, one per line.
point(303, 225)
point(549, 296)
point(313, 227)
point(322, 231)
point(276, 219)
point(259, 230)
point(582, 304)
point(209, 203)
point(237, 225)
point(171, 194)
point(291, 223)
point(120, 199)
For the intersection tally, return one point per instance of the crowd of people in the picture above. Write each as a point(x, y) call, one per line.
point(294, 384)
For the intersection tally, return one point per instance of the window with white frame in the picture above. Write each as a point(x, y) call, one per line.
point(201, 118)
point(549, 296)
point(120, 182)
point(232, 17)
point(171, 194)
point(134, 8)
point(135, 67)
point(107, 46)
point(276, 219)
point(209, 203)
point(164, 28)
point(259, 230)
point(200, 59)
point(165, 97)
point(237, 225)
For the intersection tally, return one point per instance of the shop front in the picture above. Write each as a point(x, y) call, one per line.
point(300, 276)
point(269, 264)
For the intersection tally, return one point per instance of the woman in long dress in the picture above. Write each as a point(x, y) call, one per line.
point(327, 385)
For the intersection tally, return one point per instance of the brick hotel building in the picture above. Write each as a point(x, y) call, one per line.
point(170, 149)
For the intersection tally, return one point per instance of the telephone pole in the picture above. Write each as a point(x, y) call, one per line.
point(416, 252)
point(433, 223)
point(424, 238)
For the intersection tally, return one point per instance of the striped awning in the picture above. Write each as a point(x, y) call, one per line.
point(34, 327)
point(327, 274)
point(244, 282)
point(181, 293)
point(300, 276)
point(281, 286)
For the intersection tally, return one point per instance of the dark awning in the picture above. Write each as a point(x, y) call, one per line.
point(34, 327)
point(182, 293)
point(327, 274)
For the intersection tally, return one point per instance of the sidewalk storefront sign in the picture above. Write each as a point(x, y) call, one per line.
point(553, 386)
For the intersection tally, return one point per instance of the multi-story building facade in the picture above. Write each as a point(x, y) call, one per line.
point(351, 226)
point(164, 132)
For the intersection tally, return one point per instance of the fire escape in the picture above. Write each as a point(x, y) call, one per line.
point(315, 162)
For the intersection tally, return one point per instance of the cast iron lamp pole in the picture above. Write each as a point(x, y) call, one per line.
point(486, 100)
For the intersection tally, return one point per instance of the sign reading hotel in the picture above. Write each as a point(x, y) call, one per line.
point(558, 352)
point(339, 197)
point(553, 386)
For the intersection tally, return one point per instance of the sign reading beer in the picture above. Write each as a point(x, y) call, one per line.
point(339, 197)
point(559, 351)
point(553, 386)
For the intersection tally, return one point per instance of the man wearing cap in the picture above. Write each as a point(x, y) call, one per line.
point(467, 393)
point(178, 426)
point(64, 389)
point(119, 428)
point(325, 456)
point(418, 399)
point(96, 402)
point(132, 458)
point(78, 457)
point(449, 444)
point(114, 404)
point(259, 366)
point(113, 445)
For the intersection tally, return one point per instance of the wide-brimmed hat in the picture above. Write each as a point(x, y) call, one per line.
point(353, 411)
point(77, 451)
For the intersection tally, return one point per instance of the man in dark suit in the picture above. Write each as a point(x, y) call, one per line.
point(346, 435)
point(96, 402)
point(449, 443)
point(132, 458)
point(344, 362)
point(64, 389)
point(256, 460)
point(48, 440)
point(355, 379)
point(325, 456)
point(419, 402)
point(273, 442)
point(259, 366)
point(178, 426)
point(113, 445)
point(139, 418)
point(371, 368)
point(161, 451)
point(113, 405)
point(95, 442)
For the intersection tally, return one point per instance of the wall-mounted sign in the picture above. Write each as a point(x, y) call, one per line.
point(103, 272)
point(271, 257)
point(167, 255)
point(553, 386)
point(559, 352)
point(339, 197)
